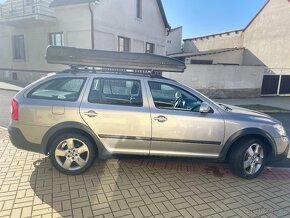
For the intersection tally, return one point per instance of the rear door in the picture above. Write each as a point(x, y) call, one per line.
point(117, 110)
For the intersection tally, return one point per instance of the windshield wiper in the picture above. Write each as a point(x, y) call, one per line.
point(226, 107)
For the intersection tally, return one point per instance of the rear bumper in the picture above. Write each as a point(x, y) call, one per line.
point(19, 141)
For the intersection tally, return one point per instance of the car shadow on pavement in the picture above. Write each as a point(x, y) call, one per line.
point(282, 164)
point(117, 185)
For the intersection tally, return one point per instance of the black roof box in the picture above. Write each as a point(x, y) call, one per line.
point(111, 59)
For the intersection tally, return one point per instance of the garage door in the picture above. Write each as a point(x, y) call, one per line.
point(276, 85)
point(285, 85)
point(270, 84)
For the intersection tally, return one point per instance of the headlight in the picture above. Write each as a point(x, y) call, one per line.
point(280, 129)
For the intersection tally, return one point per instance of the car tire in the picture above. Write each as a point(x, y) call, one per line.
point(248, 158)
point(72, 153)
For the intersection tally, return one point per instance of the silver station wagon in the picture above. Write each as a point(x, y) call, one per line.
point(118, 103)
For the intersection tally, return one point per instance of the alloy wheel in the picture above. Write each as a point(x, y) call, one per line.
point(253, 159)
point(72, 154)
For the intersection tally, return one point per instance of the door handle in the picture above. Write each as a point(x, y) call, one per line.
point(91, 114)
point(160, 119)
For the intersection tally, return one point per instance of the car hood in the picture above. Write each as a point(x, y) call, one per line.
point(253, 115)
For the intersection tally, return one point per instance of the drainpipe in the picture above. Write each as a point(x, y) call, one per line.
point(91, 8)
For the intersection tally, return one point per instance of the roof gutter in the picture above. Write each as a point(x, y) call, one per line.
point(164, 18)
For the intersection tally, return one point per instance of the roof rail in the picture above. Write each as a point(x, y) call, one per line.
point(120, 61)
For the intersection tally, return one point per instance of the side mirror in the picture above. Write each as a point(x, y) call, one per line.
point(204, 108)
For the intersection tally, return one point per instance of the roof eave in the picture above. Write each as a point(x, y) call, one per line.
point(55, 4)
point(162, 11)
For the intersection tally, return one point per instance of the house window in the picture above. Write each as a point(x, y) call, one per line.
point(139, 9)
point(124, 44)
point(205, 62)
point(18, 47)
point(150, 47)
point(56, 39)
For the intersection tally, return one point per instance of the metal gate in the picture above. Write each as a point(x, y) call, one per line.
point(276, 82)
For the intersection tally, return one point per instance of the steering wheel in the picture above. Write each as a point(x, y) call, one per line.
point(177, 102)
point(196, 106)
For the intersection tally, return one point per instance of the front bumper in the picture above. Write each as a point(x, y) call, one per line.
point(19, 141)
point(281, 156)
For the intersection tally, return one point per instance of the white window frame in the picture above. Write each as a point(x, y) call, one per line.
point(17, 47)
point(122, 45)
point(151, 51)
point(53, 36)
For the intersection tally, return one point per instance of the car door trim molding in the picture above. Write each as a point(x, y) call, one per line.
point(103, 136)
point(186, 141)
point(160, 139)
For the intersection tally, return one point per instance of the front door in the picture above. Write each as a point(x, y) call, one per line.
point(178, 128)
point(117, 111)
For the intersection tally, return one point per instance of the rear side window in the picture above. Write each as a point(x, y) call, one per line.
point(116, 92)
point(64, 89)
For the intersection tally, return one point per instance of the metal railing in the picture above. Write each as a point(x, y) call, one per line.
point(21, 8)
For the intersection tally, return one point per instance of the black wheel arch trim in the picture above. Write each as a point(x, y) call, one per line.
point(245, 132)
point(70, 125)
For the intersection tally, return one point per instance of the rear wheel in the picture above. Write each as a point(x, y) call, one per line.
point(72, 153)
point(248, 158)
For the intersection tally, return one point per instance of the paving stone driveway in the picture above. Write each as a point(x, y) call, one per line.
point(29, 186)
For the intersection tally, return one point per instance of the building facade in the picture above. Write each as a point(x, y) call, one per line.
point(27, 27)
point(264, 42)
point(174, 41)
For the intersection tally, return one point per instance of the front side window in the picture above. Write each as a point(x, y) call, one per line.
point(18, 47)
point(116, 92)
point(166, 96)
point(56, 39)
point(65, 89)
point(150, 48)
point(124, 44)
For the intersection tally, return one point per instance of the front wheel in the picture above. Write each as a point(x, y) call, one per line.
point(72, 153)
point(248, 158)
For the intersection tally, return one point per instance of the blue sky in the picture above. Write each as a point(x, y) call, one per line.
point(203, 17)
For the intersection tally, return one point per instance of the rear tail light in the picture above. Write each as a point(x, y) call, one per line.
point(14, 109)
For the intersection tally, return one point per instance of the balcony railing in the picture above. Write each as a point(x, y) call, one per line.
point(22, 8)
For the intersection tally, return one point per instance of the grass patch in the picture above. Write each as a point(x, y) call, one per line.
point(263, 108)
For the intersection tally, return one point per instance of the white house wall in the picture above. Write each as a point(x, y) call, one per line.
point(174, 41)
point(268, 36)
point(119, 19)
point(113, 18)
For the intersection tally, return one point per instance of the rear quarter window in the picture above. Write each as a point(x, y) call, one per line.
point(62, 89)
